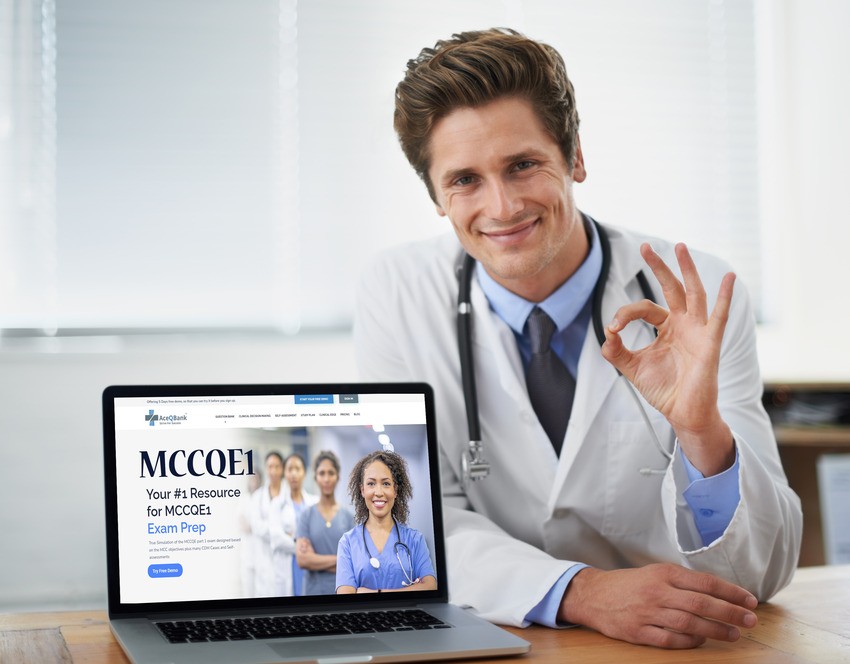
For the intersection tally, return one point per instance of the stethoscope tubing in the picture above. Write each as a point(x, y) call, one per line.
point(373, 560)
point(464, 337)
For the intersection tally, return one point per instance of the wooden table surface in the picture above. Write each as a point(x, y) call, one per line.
point(807, 622)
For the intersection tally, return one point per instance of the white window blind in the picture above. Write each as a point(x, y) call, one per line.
point(233, 164)
point(667, 95)
point(162, 190)
point(27, 161)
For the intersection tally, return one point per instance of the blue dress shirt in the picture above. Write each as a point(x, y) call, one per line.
point(712, 500)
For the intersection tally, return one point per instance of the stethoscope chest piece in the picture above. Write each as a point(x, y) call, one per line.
point(473, 465)
point(374, 562)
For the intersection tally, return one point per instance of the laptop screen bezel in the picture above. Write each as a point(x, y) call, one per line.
point(117, 608)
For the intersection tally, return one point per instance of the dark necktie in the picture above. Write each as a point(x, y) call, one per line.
point(551, 387)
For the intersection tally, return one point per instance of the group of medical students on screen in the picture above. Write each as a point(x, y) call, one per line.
point(303, 544)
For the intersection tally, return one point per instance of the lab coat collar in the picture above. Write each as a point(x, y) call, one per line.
point(626, 262)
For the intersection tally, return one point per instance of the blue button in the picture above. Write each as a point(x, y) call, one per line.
point(706, 512)
point(165, 570)
point(314, 398)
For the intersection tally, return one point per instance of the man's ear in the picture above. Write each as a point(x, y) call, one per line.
point(579, 173)
point(440, 210)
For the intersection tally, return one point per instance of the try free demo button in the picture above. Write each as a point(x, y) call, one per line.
point(165, 570)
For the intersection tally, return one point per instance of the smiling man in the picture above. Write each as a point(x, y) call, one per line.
point(634, 482)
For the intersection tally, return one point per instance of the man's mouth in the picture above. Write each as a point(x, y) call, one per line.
point(513, 234)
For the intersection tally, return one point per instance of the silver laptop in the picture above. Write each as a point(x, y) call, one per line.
point(202, 530)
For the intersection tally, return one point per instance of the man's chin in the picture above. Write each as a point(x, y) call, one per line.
point(516, 268)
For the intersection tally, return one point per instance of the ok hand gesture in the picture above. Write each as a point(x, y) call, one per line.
point(677, 372)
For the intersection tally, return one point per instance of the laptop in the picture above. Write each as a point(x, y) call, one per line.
point(200, 527)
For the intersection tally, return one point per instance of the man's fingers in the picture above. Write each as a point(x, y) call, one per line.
point(647, 310)
point(673, 290)
point(712, 586)
point(694, 290)
point(615, 351)
point(707, 596)
point(717, 611)
point(659, 637)
point(688, 296)
point(684, 622)
point(720, 314)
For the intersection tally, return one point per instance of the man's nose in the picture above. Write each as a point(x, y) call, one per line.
point(503, 201)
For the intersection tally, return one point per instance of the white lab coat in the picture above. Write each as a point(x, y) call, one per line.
point(512, 535)
point(273, 530)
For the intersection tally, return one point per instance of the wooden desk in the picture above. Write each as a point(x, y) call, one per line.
point(807, 622)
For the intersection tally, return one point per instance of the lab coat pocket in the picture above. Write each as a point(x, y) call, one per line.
point(635, 469)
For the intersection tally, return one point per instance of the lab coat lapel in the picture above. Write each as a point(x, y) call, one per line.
point(596, 377)
point(490, 333)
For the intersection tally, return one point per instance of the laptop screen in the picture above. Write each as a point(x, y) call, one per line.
point(262, 495)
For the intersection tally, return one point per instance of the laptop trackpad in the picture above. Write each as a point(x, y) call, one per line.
point(332, 647)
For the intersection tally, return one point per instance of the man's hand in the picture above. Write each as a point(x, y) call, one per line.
point(677, 372)
point(660, 605)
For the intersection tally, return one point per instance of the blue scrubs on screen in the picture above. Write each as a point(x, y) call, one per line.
point(354, 569)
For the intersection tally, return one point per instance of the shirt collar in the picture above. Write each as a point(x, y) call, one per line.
point(563, 306)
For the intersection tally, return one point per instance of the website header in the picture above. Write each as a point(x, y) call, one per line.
point(268, 411)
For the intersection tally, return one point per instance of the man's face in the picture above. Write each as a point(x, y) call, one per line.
point(503, 183)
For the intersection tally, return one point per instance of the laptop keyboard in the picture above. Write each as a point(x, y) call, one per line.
point(278, 627)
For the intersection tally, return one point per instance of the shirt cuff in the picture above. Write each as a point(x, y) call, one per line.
point(546, 611)
point(713, 500)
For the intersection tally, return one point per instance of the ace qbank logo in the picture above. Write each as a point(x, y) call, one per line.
point(152, 418)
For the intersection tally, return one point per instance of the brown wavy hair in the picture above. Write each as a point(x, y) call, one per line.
point(401, 479)
point(472, 69)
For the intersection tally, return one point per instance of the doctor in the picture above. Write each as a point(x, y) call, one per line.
point(664, 532)
point(381, 553)
point(272, 545)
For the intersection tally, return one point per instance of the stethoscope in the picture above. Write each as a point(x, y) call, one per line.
point(473, 464)
point(399, 545)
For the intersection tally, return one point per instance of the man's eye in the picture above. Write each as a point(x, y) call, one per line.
point(464, 180)
point(523, 165)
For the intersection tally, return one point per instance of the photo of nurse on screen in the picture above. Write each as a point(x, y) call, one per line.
point(381, 553)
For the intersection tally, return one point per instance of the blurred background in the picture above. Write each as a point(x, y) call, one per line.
point(189, 189)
